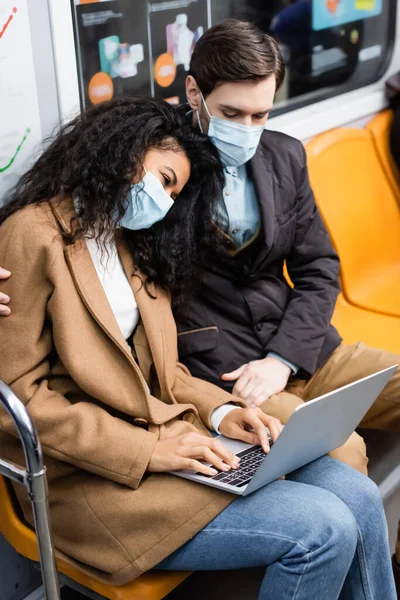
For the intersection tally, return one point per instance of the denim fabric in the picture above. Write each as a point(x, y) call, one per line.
point(321, 532)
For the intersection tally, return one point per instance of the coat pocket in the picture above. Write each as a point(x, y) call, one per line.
point(197, 340)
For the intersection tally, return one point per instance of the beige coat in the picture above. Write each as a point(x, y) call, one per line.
point(65, 357)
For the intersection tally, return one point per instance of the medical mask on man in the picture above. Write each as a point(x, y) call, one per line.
point(236, 143)
point(148, 203)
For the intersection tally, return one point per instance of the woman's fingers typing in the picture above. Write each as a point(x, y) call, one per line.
point(228, 457)
point(187, 450)
point(254, 420)
point(192, 464)
point(250, 425)
point(274, 425)
point(206, 454)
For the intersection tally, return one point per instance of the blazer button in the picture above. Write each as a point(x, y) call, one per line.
point(188, 417)
point(140, 422)
point(259, 326)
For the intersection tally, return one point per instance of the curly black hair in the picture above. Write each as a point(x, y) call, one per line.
point(96, 156)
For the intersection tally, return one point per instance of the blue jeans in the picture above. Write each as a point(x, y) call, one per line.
point(322, 534)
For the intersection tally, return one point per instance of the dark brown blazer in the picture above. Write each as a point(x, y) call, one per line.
point(246, 308)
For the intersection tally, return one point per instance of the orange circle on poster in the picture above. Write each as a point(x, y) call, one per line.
point(165, 70)
point(101, 88)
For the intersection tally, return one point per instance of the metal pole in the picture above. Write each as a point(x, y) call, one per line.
point(36, 483)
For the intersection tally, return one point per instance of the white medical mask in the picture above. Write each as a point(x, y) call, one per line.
point(236, 143)
point(148, 203)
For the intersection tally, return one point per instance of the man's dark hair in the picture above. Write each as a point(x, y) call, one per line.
point(235, 51)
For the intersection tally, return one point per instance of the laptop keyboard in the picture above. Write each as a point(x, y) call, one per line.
point(251, 459)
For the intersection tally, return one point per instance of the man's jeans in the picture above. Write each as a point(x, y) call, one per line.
point(321, 532)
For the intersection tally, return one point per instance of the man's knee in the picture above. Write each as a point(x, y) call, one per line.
point(353, 453)
point(281, 406)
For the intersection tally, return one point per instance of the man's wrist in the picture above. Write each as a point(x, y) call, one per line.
point(294, 368)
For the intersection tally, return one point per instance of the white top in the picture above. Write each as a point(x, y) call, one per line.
point(122, 301)
point(116, 286)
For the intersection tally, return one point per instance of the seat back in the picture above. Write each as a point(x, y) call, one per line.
point(17, 534)
point(360, 209)
point(379, 128)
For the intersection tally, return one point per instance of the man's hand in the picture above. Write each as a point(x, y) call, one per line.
point(4, 299)
point(249, 425)
point(187, 450)
point(259, 380)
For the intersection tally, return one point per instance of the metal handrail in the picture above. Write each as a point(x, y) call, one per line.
point(34, 479)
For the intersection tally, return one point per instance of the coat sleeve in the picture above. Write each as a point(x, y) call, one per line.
point(205, 396)
point(313, 266)
point(81, 433)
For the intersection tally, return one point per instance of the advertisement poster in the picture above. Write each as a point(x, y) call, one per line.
point(131, 47)
point(332, 13)
point(113, 48)
point(20, 129)
point(175, 28)
point(141, 47)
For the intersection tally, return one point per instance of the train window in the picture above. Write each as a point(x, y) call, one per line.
point(144, 47)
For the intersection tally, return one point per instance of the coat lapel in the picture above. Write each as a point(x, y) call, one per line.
point(87, 281)
point(155, 315)
point(263, 178)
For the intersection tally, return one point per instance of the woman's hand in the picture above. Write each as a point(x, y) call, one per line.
point(4, 299)
point(249, 425)
point(187, 450)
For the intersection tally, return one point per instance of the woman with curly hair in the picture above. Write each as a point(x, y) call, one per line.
point(114, 217)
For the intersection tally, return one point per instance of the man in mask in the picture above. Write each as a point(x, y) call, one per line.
point(248, 331)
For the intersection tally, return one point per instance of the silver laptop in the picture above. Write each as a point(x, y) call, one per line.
point(315, 428)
